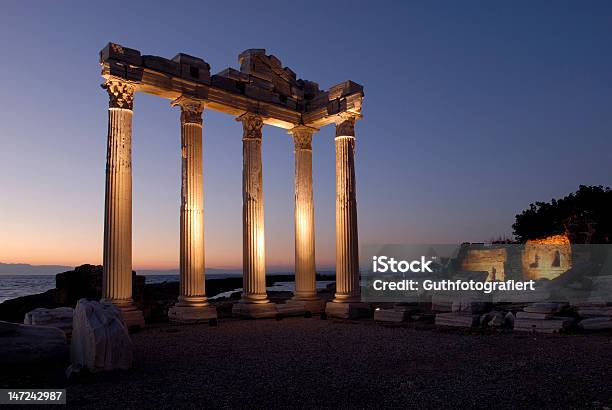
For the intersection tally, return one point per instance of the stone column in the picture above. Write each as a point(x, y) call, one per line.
point(192, 305)
point(254, 302)
point(117, 258)
point(346, 302)
point(305, 273)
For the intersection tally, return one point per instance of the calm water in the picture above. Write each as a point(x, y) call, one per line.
point(22, 285)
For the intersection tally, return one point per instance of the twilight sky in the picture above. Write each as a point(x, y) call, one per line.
point(473, 110)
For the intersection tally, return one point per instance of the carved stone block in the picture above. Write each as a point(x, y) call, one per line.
point(162, 64)
point(117, 52)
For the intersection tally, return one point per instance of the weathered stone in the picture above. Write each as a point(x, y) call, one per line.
point(117, 52)
point(100, 339)
point(31, 344)
point(457, 319)
point(254, 310)
point(595, 311)
point(391, 315)
point(162, 64)
point(59, 317)
point(348, 310)
point(553, 325)
point(533, 315)
point(545, 307)
point(596, 323)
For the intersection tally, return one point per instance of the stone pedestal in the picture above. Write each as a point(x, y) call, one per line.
point(254, 310)
point(117, 255)
point(348, 310)
point(192, 305)
point(254, 302)
point(314, 306)
point(191, 314)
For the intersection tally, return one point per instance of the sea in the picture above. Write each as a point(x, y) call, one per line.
point(14, 286)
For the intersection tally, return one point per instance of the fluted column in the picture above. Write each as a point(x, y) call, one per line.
point(253, 239)
point(254, 302)
point(117, 254)
point(305, 274)
point(347, 250)
point(192, 304)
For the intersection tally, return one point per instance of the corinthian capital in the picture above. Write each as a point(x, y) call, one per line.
point(251, 125)
point(191, 110)
point(345, 124)
point(302, 136)
point(120, 93)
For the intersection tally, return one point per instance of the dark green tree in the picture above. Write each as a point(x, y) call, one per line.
point(585, 215)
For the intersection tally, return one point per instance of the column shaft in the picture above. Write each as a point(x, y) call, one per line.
point(254, 263)
point(192, 275)
point(347, 248)
point(305, 273)
point(117, 258)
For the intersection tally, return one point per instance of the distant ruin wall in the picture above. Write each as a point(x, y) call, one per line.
point(547, 258)
point(489, 260)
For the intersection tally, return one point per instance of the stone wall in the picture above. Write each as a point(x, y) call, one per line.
point(489, 260)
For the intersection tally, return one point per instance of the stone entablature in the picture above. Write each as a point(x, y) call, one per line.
point(262, 86)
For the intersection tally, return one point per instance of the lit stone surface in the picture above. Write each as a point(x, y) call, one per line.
point(305, 275)
point(253, 240)
point(347, 251)
point(117, 273)
point(192, 305)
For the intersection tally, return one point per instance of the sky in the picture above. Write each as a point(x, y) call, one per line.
point(472, 111)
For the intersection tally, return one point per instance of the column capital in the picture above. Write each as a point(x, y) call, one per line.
point(345, 124)
point(302, 136)
point(251, 125)
point(191, 109)
point(120, 93)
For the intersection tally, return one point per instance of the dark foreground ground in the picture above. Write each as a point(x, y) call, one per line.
point(299, 362)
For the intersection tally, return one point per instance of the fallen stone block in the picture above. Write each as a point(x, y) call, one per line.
point(457, 319)
point(595, 311)
point(545, 307)
point(348, 310)
point(100, 339)
point(533, 315)
point(391, 315)
point(596, 323)
point(554, 325)
point(59, 317)
point(31, 344)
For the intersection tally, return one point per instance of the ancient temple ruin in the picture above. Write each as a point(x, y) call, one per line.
point(261, 92)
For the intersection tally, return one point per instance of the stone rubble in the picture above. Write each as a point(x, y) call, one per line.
point(595, 315)
point(541, 318)
point(100, 339)
point(59, 317)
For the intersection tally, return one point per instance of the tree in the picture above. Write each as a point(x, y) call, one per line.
point(585, 215)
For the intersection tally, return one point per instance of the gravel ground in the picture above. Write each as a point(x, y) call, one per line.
point(314, 363)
